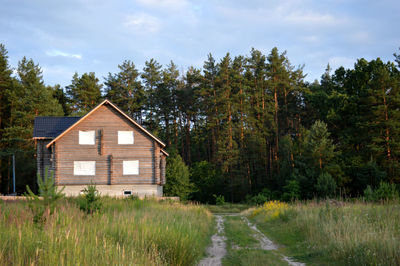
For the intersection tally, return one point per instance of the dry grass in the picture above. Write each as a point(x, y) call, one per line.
point(126, 232)
point(352, 233)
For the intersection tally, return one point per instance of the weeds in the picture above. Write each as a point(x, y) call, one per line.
point(350, 234)
point(121, 234)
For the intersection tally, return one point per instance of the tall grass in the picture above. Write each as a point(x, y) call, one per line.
point(126, 232)
point(352, 234)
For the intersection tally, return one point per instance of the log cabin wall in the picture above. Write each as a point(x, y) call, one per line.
point(106, 152)
point(44, 157)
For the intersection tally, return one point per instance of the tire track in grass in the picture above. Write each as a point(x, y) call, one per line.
point(267, 244)
point(217, 250)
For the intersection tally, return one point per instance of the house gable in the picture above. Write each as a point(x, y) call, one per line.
point(108, 155)
point(106, 102)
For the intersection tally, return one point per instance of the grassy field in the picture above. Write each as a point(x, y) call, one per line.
point(323, 234)
point(125, 232)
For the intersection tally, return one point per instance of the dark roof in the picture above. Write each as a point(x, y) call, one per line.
point(51, 126)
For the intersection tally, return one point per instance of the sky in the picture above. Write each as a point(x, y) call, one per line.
point(65, 37)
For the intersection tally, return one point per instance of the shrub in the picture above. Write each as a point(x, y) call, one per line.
point(326, 186)
point(271, 210)
point(369, 194)
point(260, 198)
point(46, 200)
point(292, 191)
point(177, 175)
point(385, 191)
point(219, 200)
point(90, 201)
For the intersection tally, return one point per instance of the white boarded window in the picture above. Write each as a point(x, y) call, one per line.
point(86, 137)
point(125, 137)
point(84, 167)
point(130, 167)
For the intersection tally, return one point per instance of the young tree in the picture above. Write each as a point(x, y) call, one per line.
point(177, 176)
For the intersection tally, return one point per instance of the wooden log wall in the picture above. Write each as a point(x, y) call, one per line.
point(107, 153)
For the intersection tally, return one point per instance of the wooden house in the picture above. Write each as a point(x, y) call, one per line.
point(105, 147)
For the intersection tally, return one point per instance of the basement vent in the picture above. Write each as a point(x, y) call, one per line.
point(127, 192)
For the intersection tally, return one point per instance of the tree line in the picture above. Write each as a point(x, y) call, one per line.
point(241, 125)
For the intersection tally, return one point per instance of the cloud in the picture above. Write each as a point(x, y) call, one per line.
point(338, 61)
point(55, 52)
point(310, 17)
point(163, 4)
point(142, 23)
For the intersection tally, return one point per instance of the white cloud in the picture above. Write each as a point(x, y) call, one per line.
point(311, 39)
point(338, 61)
point(360, 37)
point(164, 4)
point(310, 17)
point(55, 52)
point(142, 23)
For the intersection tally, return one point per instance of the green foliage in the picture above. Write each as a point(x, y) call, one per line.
point(206, 180)
point(369, 194)
point(241, 124)
point(47, 199)
point(260, 198)
point(291, 191)
point(326, 186)
point(219, 199)
point(84, 93)
point(385, 192)
point(177, 175)
point(90, 201)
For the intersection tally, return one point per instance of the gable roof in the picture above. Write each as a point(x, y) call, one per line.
point(49, 127)
point(117, 109)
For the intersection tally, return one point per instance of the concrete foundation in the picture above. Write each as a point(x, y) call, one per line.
point(117, 190)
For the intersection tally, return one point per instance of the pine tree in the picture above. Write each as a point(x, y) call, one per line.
point(84, 93)
point(151, 77)
point(125, 90)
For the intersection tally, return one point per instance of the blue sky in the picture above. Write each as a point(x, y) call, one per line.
point(95, 35)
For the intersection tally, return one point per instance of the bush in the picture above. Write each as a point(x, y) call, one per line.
point(90, 201)
point(260, 198)
point(46, 200)
point(291, 191)
point(326, 185)
point(369, 194)
point(206, 180)
point(177, 175)
point(219, 200)
point(385, 191)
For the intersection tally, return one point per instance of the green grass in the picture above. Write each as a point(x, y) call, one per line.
point(243, 248)
point(352, 234)
point(238, 233)
point(126, 232)
point(227, 208)
point(246, 257)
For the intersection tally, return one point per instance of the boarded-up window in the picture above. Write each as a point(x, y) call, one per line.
point(125, 137)
point(84, 167)
point(86, 137)
point(130, 167)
